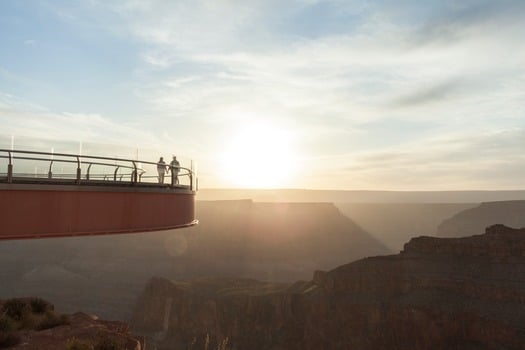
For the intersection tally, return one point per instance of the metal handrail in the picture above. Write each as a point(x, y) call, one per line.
point(136, 174)
point(78, 162)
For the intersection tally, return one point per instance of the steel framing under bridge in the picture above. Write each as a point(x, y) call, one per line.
point(99, 196)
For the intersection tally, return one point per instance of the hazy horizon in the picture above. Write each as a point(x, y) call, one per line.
point(359, 196)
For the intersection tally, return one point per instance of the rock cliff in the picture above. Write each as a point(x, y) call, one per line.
point(438, 293)
point(472, 221)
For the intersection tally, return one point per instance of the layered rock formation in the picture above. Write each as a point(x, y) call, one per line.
point(438, 293)
point(472, 221)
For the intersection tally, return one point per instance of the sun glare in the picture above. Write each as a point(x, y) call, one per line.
point(259, 156)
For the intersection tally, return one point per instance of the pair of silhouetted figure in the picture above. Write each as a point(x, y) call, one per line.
point(174, 167)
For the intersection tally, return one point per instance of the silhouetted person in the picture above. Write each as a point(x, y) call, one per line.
point(175, 168)
point(161, 169)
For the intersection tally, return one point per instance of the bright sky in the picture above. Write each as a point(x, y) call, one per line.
point(378, 95)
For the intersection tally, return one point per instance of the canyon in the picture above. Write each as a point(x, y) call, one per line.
point(244, 277)
point(437, 293)
point(276, 242)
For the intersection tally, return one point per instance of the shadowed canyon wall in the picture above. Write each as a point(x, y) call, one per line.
point(394, 224)
point(471, 221)
point(438, 293)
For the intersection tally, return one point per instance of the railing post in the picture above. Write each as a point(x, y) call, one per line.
point(9, 169)
point(170, 167)
point(88, 168)
point(191, 174)
point(79, 171)
point(115, 174)
point(50, 172)
point(134, 174)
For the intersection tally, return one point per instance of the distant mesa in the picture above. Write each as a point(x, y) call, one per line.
point(472, 221)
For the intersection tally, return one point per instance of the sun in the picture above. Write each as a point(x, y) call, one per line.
point(259, 156)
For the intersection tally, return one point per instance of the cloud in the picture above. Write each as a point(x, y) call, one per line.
point(189, 25)
point(433, 94)
point(33, 122)
point(324, 85)
point(452, 22)
point(477, 161)
point(353, 75)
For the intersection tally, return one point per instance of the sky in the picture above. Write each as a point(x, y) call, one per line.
point(335, 94)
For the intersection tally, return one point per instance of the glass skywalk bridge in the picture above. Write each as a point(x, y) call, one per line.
point(46, 194)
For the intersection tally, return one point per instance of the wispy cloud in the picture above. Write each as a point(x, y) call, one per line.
point(23, 119)
point(475, 161)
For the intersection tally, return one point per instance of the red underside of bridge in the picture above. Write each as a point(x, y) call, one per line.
point(44, 211)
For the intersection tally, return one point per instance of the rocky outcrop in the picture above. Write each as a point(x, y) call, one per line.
point(32, 324)
point(438, 293)
point(472, 221)
point(83, 330)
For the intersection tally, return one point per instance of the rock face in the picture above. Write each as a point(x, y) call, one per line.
point(472, 221)
point(438, 293)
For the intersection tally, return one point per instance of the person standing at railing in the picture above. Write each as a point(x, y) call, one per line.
point(161, 169)
point(175, 168)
